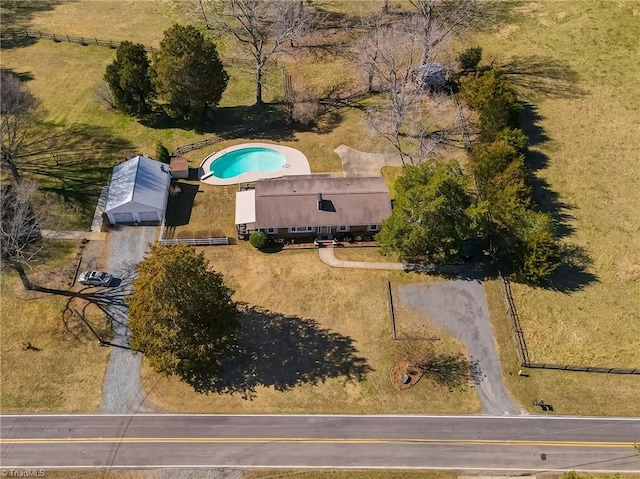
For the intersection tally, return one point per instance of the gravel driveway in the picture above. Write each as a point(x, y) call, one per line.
point(121, 391)
point(460, 307)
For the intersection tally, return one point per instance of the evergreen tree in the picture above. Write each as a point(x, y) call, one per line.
point(129, 80)
point(188, 73)
point(181, 314)
point(432, 216)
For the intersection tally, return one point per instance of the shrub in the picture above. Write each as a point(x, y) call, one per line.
point(258, 239)
point(162, 154)
point(469, 58)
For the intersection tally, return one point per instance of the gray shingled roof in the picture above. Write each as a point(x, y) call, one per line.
point(286, 202)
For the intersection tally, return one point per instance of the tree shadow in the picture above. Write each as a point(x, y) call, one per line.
point(573, 272)
point(180, 206)
point(275, 350)
point(537, 76)
point(17, 15)
point(22, 76)
point(72, 162)
point(453, 371)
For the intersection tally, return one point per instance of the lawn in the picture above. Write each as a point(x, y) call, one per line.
point(585, 157)
point(64, 369)
point(309, 311)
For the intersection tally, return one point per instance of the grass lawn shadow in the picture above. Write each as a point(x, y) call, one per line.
point(279, 351)
point(180, 206)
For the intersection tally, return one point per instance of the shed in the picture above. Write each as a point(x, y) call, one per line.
point(138, 191)
point(179, 167)
point(431, 75)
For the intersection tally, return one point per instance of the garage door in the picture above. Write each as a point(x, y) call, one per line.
point(123, 217)
point(148, 216)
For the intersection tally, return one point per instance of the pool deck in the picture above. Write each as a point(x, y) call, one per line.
point(296, 164)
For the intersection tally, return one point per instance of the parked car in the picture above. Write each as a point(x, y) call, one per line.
point(95, 278)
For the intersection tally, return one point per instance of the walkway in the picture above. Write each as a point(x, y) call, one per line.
point(358, 163)
point(74, 235)
point(327, 256)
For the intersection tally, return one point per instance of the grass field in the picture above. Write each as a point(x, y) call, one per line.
point(63, 371)
point(586, 146)
point(325, 311)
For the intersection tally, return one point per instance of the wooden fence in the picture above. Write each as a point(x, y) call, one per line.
point(63, 37)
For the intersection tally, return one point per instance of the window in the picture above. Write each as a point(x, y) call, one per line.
point(373, 227)
point(300, 229)
point(272, 231)
point(343, 229)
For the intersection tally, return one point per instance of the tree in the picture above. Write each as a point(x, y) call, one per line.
point(181, 314)
point(19, 228)
point(432, 216)
point(470, 58)
point(187, 72)
point(162, 154)
point(442, 19)
point(18, 110)
point(129, 80)
point(262, 27)
point(495, 100)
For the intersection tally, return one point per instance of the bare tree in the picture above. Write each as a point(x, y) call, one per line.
point(442, 19)
point(19, 228)
point(365, 44)
point(401, 118)
point(18, 109)
point(263, 28)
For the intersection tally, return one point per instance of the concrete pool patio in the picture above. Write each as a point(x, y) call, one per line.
point(296, 163)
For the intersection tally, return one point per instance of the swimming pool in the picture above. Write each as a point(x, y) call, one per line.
point(237, 162)
point(248, 162)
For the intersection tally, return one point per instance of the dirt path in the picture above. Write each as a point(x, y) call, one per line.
point(460, 307)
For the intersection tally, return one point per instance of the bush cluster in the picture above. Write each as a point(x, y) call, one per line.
point(526, 236)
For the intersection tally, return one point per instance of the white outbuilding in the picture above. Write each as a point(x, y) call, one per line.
point(138, 191)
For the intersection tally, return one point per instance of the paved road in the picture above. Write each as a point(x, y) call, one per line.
point(524, 444)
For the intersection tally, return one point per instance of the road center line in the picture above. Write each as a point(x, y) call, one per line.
point(262, 440)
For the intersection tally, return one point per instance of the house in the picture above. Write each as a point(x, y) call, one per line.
point(303, 206)
point(138, 191)
point(430, 77)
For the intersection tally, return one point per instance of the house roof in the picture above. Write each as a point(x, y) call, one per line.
point(286, 202)
point(245, 207)
point(140, 180)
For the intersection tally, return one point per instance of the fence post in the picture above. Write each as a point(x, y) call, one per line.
point(391, 309)
point(68, 39)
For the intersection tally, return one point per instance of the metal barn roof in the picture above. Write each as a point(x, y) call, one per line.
point(140, 180)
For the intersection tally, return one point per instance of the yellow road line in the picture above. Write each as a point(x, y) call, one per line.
point(262, 440)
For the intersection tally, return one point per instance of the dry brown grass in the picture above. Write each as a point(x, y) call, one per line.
point(65, 371)
point(592, 165)
point(351, 303)
point(569, 392)
point(301, 474)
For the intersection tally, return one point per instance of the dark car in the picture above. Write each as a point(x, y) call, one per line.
point(95, 278)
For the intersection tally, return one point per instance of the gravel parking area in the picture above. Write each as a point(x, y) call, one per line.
point(122, 392)
point(460, 308)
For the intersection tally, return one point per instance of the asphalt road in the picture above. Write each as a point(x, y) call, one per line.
point(515, 444)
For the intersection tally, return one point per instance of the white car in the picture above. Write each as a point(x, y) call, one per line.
point(95, 278)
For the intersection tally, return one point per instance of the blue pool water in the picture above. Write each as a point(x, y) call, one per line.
point(244, 160)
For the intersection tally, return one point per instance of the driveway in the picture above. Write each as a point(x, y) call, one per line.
point(460, 308)
point(121, 391)
point(358, 163)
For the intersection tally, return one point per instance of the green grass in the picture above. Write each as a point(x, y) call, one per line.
point(592, 166)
